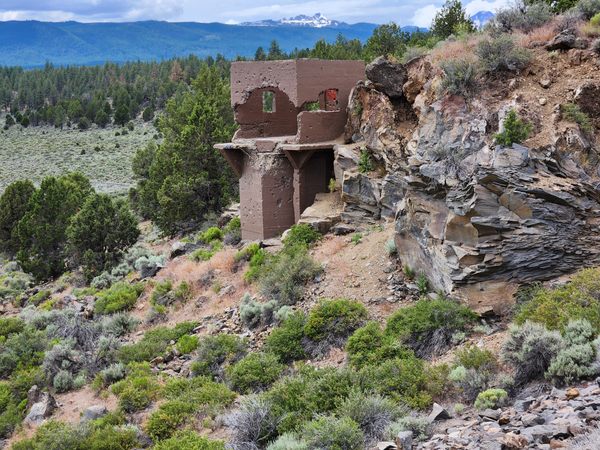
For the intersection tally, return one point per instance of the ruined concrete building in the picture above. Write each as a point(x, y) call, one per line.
point(290, 115)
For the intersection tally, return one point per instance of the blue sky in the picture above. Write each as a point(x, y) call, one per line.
point(404, 12)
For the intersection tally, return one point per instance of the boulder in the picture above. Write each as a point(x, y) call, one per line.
point(587, 97)
point(404, 440)
point(41, 409)
point(387, 77)
point(94, 412)
point(438, 413)
point(565, 40)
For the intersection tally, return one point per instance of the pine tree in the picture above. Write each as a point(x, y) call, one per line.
point(450, 19)
point(14, 203)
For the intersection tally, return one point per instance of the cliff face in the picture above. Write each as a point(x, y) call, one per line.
point(475, 217)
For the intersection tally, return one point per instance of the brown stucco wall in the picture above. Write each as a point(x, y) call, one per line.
point(254, 123)
point(320, 126)
point(266, 196)
point(312, 179)
point(249, 75)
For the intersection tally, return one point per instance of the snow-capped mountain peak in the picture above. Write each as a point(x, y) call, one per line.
point(316, 21)
point(482, 17)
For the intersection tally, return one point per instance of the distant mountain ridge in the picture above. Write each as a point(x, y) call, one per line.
point(316, 21)
point(33, 43)
point(482, 17)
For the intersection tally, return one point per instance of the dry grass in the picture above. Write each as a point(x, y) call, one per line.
point(463, 49)
point(588, 30)
point(223, 260)
point(542, 35)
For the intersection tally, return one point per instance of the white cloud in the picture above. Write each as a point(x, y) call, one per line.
point(422, 17)
point(475, 6)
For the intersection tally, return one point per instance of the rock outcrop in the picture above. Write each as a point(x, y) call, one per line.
point(475, 217)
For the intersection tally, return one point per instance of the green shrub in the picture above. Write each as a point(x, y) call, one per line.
point(331, 433)
point(252, 425)
point(419, 426)
point(572, 113)
point(373, 413)
point(154, 343)
point(472, 357)
point(297, 398)
point(288, 441)
point(554, 308)
point(501, 54)
point(63, 381)
point(205, 254)
point(365, 161)
point(39, 297)
point(257, 261)
point(247, 252)
point(428, 326)
point(522, 17)
point(335, 319)
point(285, 341)
point(491, 399)
point(403, 380)
point(187, 344)
point(183, 292)
point(515, 130)
point(215, 352)
point(369, 345)
point(301, 234)
point(254, 313)
point(188, 440)
point(530, 348)
point(254, 372)
point(577, 359)
point(119, 297)
point(212, 234)
point(171, 415)
point(162, 294)
point(589, 8)
point(10, 325)
point(137, 390)
point(461, 76)
point(283, 276)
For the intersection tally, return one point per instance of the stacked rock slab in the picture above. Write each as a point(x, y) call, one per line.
point(474, 217)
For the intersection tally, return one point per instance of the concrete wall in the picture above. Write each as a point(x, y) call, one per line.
point(255, 123)
point(320, 126)
point(249, 75)
point(266, 196)
point(312, 179)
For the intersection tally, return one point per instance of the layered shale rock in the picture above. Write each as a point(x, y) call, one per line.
point(475, 217)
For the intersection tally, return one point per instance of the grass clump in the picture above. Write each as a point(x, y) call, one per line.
point(205, 254)
point(217, 352)
point(428, 326)
point(138, 389)
point(572, 113)
point(188, 440)
point(515, 130)
point(119, 297)
point(554, 308)
point(330, 432)
point(211, 235)
point(491, 399)
point(301, 234)
point(154, 343)
point(283, 276)
point(255, 372)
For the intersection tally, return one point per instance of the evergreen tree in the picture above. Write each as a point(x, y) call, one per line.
point(122, 115)
point(275, 52)
point(42, 230)
point(14, 203)
point(187, 177)
point(387, 40)
point(100, 232)
point(260, 54)
point(450, 19)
